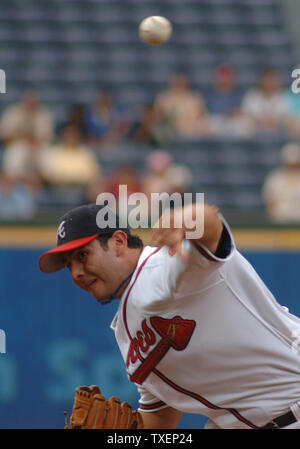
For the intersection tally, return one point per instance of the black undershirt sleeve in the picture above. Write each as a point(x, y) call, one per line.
point(224, 246)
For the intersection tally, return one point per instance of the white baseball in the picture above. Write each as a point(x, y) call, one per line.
point(155, 30)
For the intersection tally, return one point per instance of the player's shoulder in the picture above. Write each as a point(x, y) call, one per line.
point(152, 256)
point(159, 257)
point(149, 290)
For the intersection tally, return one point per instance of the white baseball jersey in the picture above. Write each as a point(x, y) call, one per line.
point(207, 336)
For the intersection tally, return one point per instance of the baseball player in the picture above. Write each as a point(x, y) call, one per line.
point(198, 329)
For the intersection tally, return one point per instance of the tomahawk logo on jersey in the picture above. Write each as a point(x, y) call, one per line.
point(174, 333)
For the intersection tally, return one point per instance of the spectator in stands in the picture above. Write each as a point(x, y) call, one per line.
point(17, 201)
point(70, 162)
point(25, 160)
point(107, 121)
point(181, 178)
point(124, 175)
point(157, 178)
point(127, 175)
point(28, 116)
point(281, 191)
point(223, 101)
point(184, 108)
point(164, 175)
point(266, 105)
point(151, 129)
point(142, 130)
point(224, 98)
point(76, 116)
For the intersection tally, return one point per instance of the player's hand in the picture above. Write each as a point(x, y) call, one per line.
point(165, 233)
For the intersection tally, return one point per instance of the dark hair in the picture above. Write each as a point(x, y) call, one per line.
point(133, 241)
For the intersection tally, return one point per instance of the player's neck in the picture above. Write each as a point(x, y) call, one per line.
point(131, 263)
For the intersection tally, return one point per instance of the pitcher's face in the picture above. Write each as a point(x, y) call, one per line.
point(95, 269)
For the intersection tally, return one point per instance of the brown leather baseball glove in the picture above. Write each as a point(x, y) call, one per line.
point(92, 411)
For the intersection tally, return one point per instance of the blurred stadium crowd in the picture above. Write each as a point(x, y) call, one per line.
point(44, 161)
point(235, 140)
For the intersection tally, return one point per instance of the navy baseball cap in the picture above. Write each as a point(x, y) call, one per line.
point(76, 228)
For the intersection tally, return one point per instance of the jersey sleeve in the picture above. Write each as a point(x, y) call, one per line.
point(224, 250)
point(148, 402)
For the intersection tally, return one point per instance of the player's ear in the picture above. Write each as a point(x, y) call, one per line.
point(119, 241)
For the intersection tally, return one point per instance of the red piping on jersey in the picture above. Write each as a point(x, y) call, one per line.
point(203, 252)
point(128, 293)
point(151, 406)
point(165, 379)
point(203, 400)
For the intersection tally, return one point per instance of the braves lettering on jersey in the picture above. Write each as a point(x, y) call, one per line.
point(207, 336)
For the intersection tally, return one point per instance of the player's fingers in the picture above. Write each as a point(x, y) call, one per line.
point(172, 252)
point(178, 249)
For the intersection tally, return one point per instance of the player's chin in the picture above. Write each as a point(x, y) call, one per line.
point(99, 296)
point(95, 294)
point(99, 291)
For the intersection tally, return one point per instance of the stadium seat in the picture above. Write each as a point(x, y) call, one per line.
point(70, 13)
point(245, 200)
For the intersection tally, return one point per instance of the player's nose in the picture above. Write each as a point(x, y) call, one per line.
point(77, 271)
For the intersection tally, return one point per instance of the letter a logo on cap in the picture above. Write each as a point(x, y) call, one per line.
point(61, 230)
